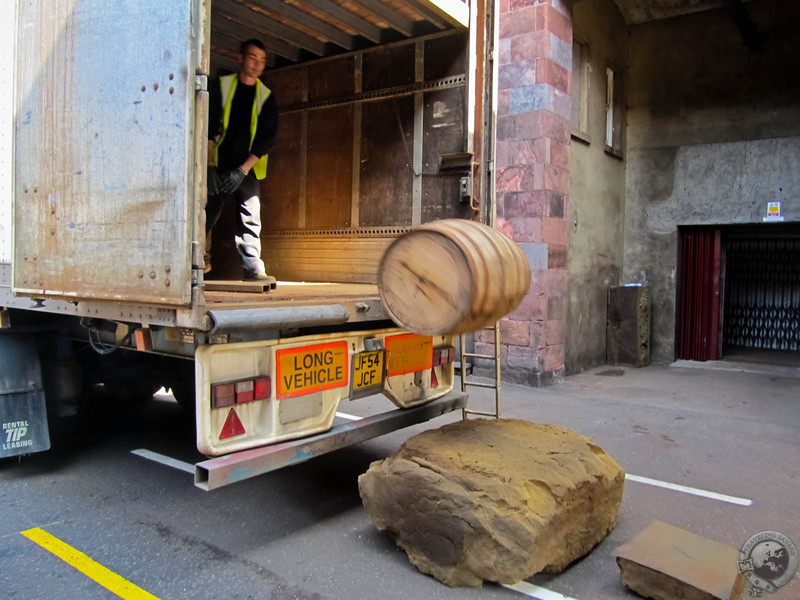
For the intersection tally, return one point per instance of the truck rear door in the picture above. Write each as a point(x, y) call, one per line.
point(104, 155)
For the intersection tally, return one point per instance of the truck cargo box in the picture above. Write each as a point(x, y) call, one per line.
point(103, 155)
point(110, 132)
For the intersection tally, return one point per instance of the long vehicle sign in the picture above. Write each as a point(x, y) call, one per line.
point(311, 369)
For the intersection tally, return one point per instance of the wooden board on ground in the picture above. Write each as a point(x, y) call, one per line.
point(233, 285)
point(669, 563)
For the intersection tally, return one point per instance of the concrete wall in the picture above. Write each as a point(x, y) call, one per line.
point(713, 134)
point(597, 182)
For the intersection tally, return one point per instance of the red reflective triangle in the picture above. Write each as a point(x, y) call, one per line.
point(233, 426)
point(434, 379)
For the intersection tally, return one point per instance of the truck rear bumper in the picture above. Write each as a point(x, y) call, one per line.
point(224, 470)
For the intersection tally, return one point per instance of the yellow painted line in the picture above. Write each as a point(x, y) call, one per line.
point(91, 568)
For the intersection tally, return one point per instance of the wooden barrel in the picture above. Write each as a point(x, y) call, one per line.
point(452, 276)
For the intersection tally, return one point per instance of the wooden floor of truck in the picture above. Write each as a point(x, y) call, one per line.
point(286, 293)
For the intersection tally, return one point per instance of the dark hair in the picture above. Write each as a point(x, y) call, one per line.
point(251, 42)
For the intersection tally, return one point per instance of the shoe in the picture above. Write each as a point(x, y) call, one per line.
point(257, 277)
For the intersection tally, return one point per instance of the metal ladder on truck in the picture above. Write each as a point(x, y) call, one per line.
point(465, 382)
point(490, 218)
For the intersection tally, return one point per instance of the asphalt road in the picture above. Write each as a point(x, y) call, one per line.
point(302, 533)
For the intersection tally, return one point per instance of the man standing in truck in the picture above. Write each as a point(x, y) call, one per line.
point(243, 122)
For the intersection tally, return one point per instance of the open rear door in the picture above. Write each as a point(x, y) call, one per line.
point(104, 149)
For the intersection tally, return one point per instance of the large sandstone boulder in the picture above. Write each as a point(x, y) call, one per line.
point(494, 500)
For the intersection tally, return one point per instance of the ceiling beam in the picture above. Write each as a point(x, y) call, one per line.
point(236, 31)
point(395, 20)
point(326, 30)
point(431, 16)
point(352, 20)
point(455, 12)
point(748, 30)
point(257, 21)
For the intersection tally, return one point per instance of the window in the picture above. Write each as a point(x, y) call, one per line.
point(614, 112)
point(580, 91)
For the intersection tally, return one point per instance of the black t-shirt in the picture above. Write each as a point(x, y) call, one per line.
point(235, 148)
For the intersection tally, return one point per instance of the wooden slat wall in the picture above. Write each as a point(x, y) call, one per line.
point(326, 256)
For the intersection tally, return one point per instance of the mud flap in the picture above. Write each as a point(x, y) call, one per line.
point(23, 429)
point(23, 413)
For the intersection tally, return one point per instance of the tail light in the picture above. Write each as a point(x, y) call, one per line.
point(443, 355)
point(240, 392)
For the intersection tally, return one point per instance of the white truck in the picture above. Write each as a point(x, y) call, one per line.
point(102, 194)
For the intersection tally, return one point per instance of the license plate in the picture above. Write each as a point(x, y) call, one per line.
point(367, 373)
point(408, 353)
point(311, 369)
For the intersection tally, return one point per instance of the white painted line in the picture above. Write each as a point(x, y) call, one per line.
point(164, 460)
point(342, 415)
point(689, 490)
point(534, 591)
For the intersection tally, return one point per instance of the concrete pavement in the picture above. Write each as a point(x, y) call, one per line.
point(724, 442)
point(724, 429)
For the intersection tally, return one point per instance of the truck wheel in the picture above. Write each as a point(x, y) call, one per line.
point(184, 396)
point(131, 391)
point(127, 376)
point(181, 383)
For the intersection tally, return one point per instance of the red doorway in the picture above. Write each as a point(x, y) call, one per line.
point(700, 283)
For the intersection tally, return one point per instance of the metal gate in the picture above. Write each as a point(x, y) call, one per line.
point(762, 304)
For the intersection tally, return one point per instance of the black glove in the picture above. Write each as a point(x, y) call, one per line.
point(231, 181)
point(213, 181)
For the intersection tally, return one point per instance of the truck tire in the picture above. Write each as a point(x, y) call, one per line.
point(127, 376)
point(126, 390)
point(181, 384)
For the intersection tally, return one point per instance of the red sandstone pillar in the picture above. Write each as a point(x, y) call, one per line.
point(533, 136)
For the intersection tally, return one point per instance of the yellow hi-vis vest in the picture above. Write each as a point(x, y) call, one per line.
point(227, 85)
